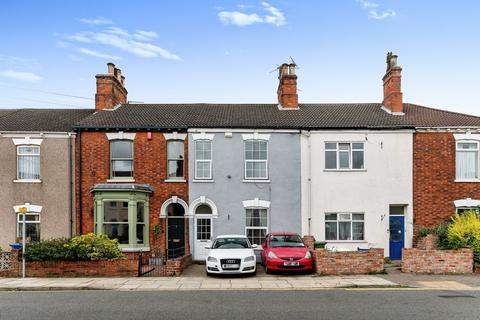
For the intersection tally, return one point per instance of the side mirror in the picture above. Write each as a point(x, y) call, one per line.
point(254, 246)
point(208, 247)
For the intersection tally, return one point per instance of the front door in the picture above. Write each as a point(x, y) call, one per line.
point(397, 236)
point(203, 237)
point(176, 237)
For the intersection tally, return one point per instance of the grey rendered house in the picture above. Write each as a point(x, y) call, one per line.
point(37, 172)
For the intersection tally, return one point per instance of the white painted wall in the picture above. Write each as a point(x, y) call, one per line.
point(387, 179)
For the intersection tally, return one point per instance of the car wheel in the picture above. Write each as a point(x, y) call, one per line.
point(208, 274)
point(254, 273)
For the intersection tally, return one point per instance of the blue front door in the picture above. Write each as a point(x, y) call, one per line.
point(397, 236)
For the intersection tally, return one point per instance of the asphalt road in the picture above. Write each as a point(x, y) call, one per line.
point(232, 305)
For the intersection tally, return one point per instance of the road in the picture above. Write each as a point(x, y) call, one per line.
point(232, 305)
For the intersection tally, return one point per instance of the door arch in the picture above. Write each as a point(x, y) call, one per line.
point(174, 210)
point(203, 211)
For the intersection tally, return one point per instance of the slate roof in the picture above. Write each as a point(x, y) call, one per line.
point(46, 120)
point(308, 116)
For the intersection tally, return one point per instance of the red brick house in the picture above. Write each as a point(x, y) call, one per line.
point(131, 181)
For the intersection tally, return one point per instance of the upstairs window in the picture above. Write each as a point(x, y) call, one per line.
point(344, 155)
point(256, 159)
point(175, 159)
point(28, 162)
point(467, 160)
point(121, 159)
point(203, 159)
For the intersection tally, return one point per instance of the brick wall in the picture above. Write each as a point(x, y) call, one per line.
point(434, 186)
point(117, 268)
point(150, 167)
point(175, 267)
point(437, 261)
point(348, 262)
point(427, 243)
point(309, 242)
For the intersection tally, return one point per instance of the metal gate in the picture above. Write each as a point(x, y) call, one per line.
point(151, 265)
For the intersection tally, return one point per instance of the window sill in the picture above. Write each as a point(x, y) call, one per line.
point(345, 170)
point(175, 180)
point(256, 180)
point(467, 180)
point(27, 181)
point(120, 180)
point(133, 249)
point(203, 181)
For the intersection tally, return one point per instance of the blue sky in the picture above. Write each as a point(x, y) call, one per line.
point(224, 51)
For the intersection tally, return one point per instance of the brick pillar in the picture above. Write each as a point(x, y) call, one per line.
point(309, 242)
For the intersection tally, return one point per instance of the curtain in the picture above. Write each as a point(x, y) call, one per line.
point(28, 167)
point(467, 164)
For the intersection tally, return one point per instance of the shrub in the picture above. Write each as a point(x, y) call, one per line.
point(94, 247)
point(48, 250)
point(441, 231)
point(464, 232)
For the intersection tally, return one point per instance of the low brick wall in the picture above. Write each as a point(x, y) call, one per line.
point(437, 261)
point(309, 241)
point(348, 262)
point(116, 268)
point(427, 243)
point(175, 267)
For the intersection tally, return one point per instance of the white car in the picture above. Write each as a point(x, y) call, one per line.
point(231, 254)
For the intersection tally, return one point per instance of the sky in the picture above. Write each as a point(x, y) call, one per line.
point(216, 51)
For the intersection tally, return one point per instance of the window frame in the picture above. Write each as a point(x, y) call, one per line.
point(38, 155)
point(20, 222)
point(338, 220)
point(121, 159)
point(183, 160)
point(350, 155)
point(477, 151)
point(255, 160)
point(210, 177)
point(266, 228)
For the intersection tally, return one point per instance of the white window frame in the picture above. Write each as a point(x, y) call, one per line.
point(20, 221)
point(182, 178)
point(29, 154)
point(203, 161)
point(477, 150)
point(338, 220)
point(266, 228)
point(350, 156)
point(121, 159)
point(255, 160)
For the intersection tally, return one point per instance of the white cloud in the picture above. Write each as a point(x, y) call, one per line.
point(137, 43)
point(21, 76)
point(373, 14)
point(97, 21)
point(367, 4)
point(274, 16)
point(98, 54)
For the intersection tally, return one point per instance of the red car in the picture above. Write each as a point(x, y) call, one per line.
point(284, 251)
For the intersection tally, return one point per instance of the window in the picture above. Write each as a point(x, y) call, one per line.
point(467, 160)
point(115, 223)
point(204, 222)
point(28, 162)
point(257, 225)
point(32, 226)
point(121, 159)
point(256, 159)
point(467, 209)
point(175, 159)
point(344, 226)
point(344, 155)
point(203, 159)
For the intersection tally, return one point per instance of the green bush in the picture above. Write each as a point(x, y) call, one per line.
point(94, 247)
point(464, 232)
point(441, 231)
point(80, 248)
point(48, 250)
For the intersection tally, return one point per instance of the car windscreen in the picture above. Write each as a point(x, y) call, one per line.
point(286, 241)
point(231, 243)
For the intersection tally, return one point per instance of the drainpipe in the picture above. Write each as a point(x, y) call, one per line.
point(79, 172)
point(70, 183)
point(309, 180)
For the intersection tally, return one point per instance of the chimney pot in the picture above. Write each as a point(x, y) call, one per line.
point(110, 68)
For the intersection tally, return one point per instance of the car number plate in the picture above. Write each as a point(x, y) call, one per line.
point(291, 264)
point(230, 266)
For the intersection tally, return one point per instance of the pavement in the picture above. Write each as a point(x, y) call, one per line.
point(194, 278)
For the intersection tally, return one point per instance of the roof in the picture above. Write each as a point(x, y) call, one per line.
point(46, 120)
point(268, 116)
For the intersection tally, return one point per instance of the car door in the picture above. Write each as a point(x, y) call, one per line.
point(264, 249)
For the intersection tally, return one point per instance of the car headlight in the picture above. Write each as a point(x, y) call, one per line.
point(272, 255)
point(212, 259)
point(308, 255)
point(251, 258)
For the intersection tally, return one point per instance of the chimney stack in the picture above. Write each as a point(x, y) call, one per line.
point(110, 88)
point(287, 87)
point(392, 86)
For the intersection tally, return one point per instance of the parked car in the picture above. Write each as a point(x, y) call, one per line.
point(283, 251)
point(230, 254)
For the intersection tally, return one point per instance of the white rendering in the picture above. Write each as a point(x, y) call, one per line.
point(352, 182)
point(231, 254)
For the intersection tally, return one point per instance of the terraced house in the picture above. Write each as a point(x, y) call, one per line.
point(37, 171)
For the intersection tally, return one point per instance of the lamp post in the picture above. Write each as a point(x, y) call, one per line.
point(23, 211)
